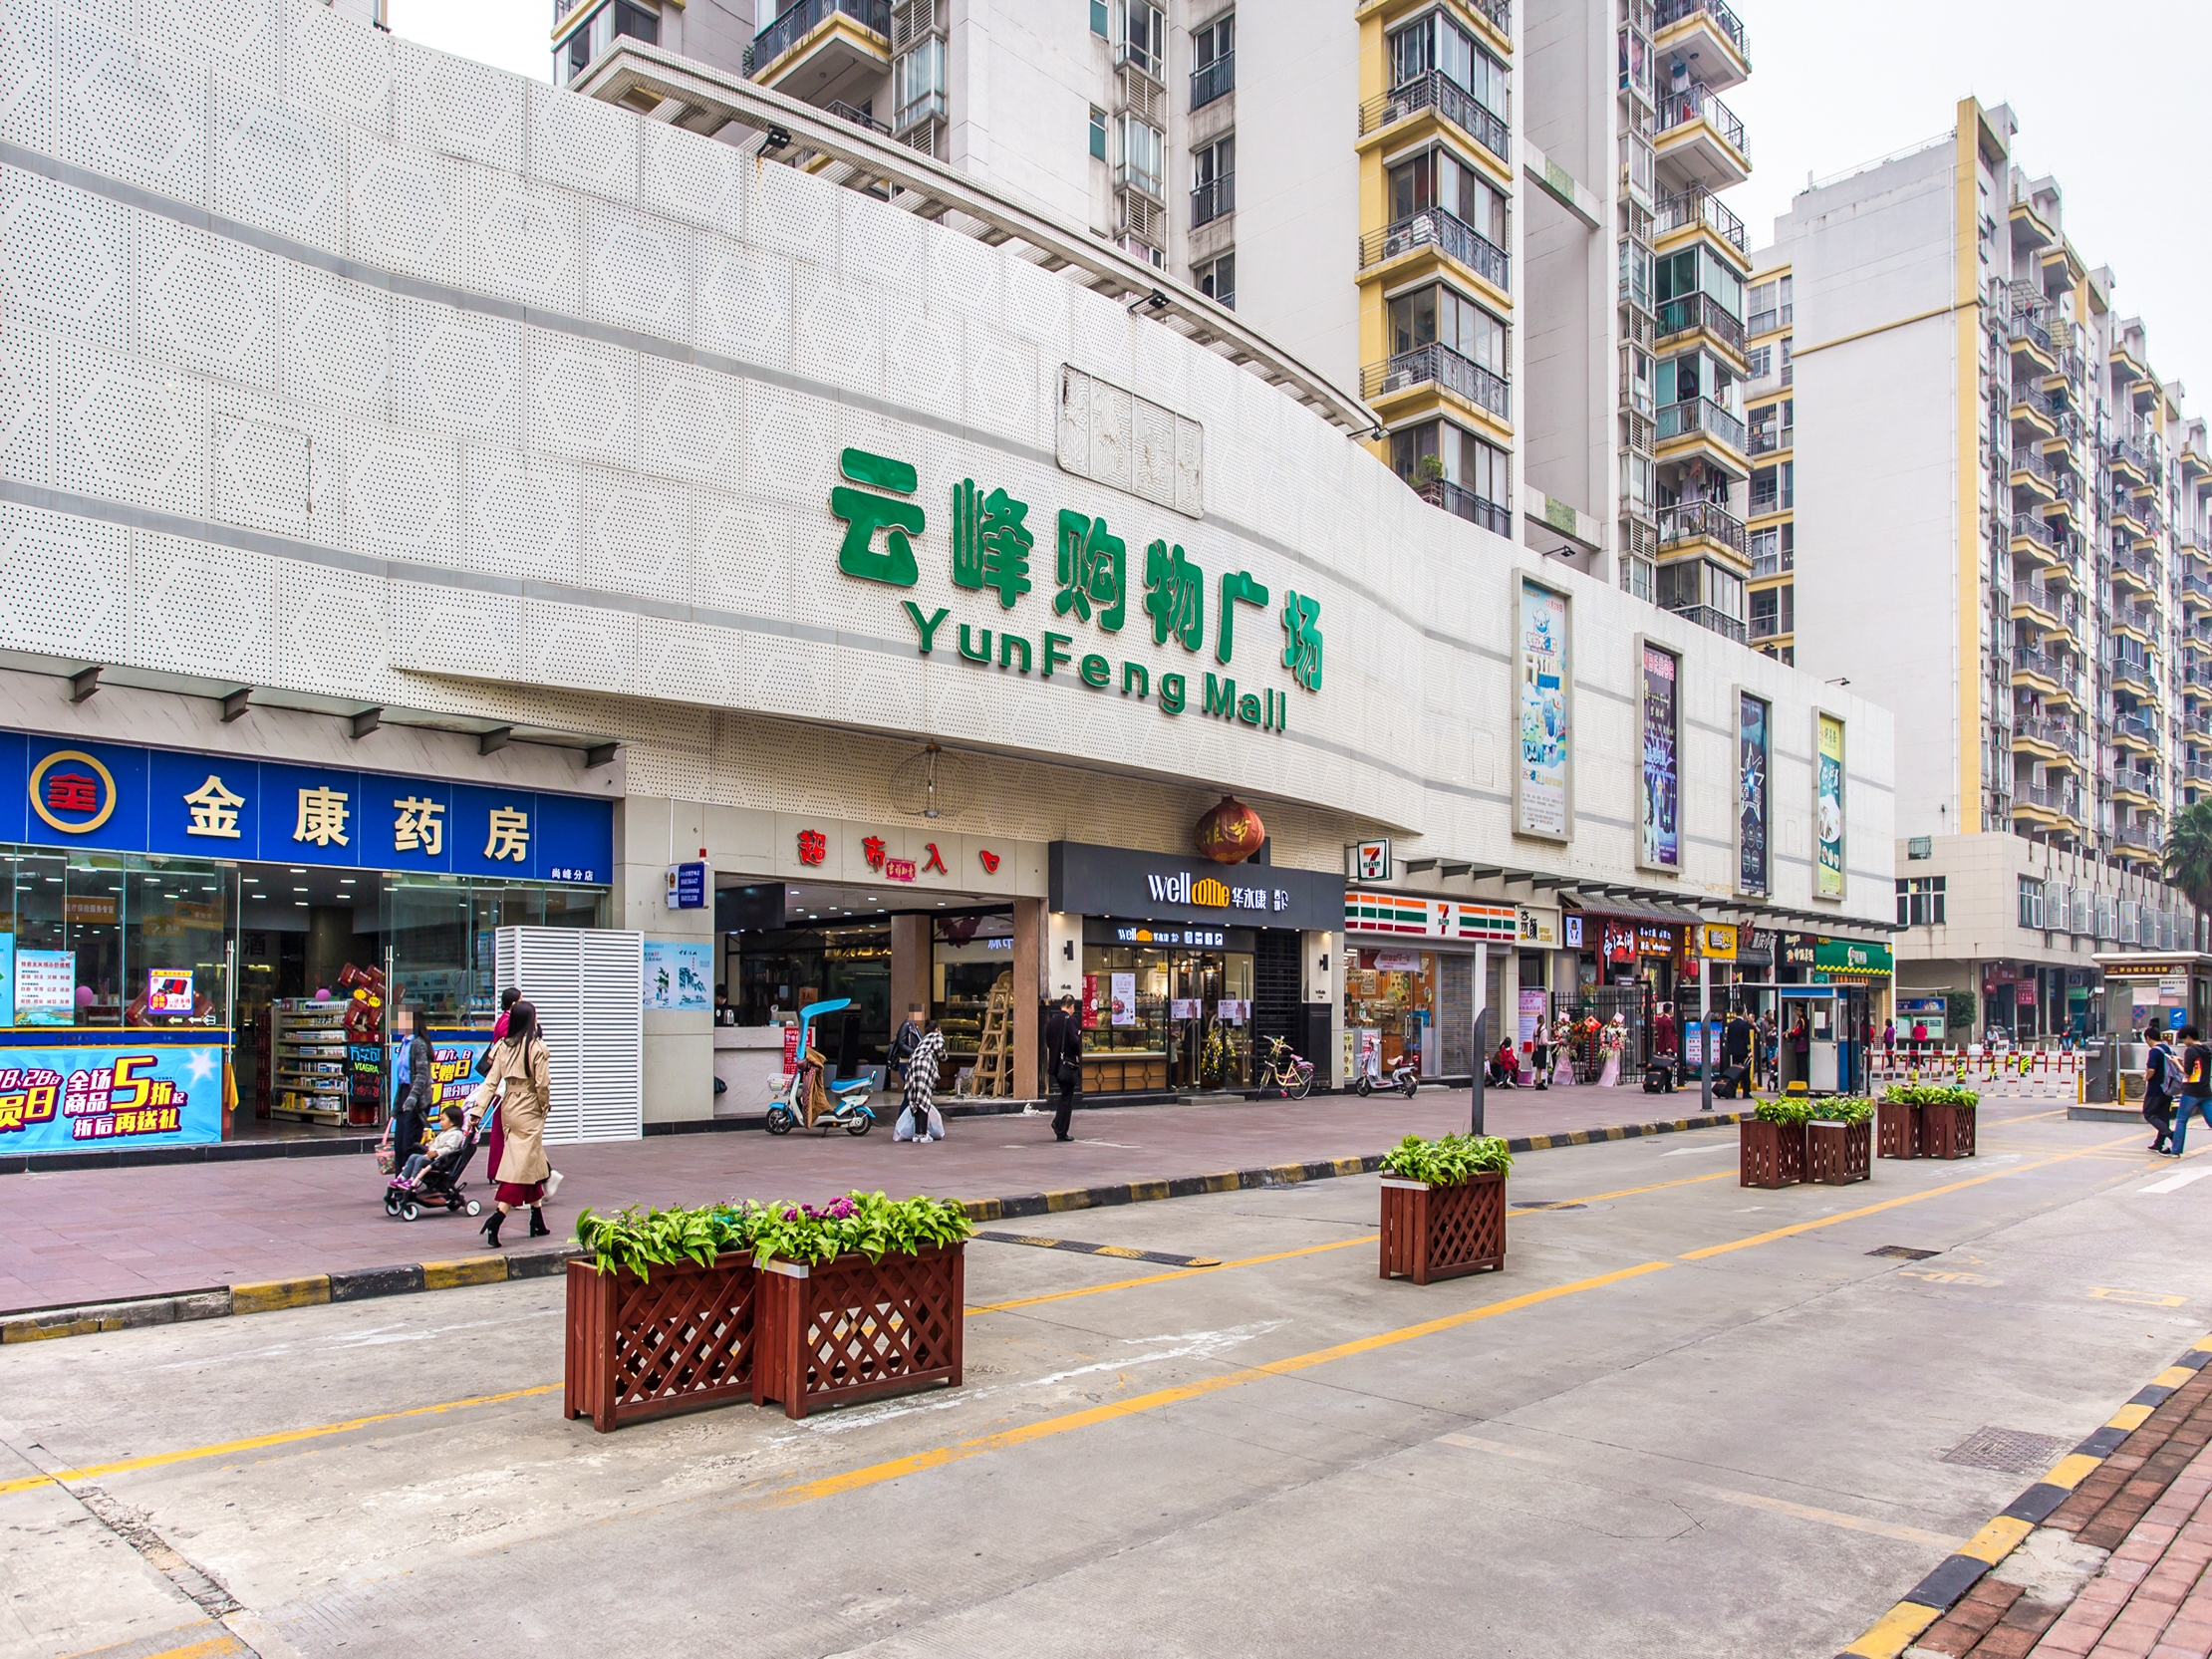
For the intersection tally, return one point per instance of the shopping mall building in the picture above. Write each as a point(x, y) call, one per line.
point(444, 515)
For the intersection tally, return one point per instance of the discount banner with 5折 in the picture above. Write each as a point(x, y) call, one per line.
point(64, 1099)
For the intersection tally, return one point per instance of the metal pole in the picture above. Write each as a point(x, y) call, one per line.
point(1705, 1038)
point(1482, 1061)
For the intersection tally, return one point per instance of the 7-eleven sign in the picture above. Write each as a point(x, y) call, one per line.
point(1368, 860)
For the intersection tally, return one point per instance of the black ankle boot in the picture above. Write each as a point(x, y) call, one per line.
point(491, 1227)
point(538, 1229)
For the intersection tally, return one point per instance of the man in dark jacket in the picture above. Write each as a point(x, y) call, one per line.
point(410, 1109)
point(1735, 1051)
point(1063, 1062)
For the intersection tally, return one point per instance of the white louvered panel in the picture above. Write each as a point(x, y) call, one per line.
point(588, 987)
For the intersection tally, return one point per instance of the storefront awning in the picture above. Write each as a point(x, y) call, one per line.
point(1638, 910)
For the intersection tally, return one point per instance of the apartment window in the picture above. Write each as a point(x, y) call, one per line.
point(1638, 478)
point(1773, 550)
point(590, 38)
point(1214, 181)
point(1098, 135)
point(1141, 149)
point(1456, 470)
point(1441, 315)
point(1773, 612)
point(1772, 489)
point(1436, 43)
point(1701, 585)
point(917, 84)
point(1920, 902)
point(1762, 360)
point(1144, 37)
point(2030, 903)
point(1695, 270)
point(1098, 18)
point(1438, 178)
point(1213, 61)
point(1216, 279)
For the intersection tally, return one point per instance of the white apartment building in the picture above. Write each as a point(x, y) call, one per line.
point(1998, 511)
point(1519, 261)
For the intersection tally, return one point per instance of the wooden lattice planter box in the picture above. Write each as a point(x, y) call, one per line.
point(1442, 1232)
point(1899, 1131)
point(1771, 1154)
point(1949, 1133)
point(1837, 1154)
point(641, 1347)
point(854, 1329)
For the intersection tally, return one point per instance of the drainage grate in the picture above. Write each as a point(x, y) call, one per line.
point(1904, 1252)
point(2009, 1451)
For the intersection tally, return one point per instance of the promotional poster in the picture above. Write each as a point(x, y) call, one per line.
point(1662, 838)
point(1751, 793)
point(1828, 810)
point(1541, 808)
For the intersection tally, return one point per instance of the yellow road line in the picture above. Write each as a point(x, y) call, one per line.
point(283, 1436)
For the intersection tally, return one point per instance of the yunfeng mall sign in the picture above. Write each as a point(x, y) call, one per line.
point(992, 548)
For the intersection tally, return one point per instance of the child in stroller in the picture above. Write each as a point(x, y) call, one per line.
point(433, 1176)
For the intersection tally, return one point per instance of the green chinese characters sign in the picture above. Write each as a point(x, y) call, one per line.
point(993, 548)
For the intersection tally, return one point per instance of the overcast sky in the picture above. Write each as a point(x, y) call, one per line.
point(2103, 95)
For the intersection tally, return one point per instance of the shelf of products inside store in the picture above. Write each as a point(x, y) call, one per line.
point(309, 1041)
point(961, 1022)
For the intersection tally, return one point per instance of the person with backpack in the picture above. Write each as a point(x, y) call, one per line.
point(903, 1042)
point(2159, 1073)
point(2196, 1089)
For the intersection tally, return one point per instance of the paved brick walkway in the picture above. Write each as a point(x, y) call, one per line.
point(2149, 1506)
point(101, 1234)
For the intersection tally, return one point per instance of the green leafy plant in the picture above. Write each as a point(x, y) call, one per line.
point(1930, 1094)
point(1790, 1111)
point(868, 1224)
point(1447, 1161)
point(1843, 1108)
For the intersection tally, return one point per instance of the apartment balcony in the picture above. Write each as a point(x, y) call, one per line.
point(821, 42)
point(2128, 367)
point(2134, 569)
point(1436, 95)
point(2031, 663)
point(1768, 320)
point(2047, 800)
point(1700, 140)
point(2034, 534)
point(2032, 416)
point(1689, 209)
point(1702, 419)
point(1707, 33)
point(2197, 725)
point(2136, 732)
point(1214, 199)
point(1440, 369)
point(2031, 231)
point(2198, 771)
point(1464, 503)
point(2137, 621)
point(1770, 439)
point(2133, 676)
point(2196, 592)
point(1214, 80)
point(1705, 616)
point(1764, 628)
point(2129, 462)
point(2137, 842)
point(1687, 522)
point(1433, 231)
point(2046, 606)
point(2055, 741)
point(2137, 789)
point(2029, 341)
point(1701, 314)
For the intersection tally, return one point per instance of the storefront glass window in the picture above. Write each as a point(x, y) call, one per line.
point(85, 933)
point(1390, 1000)
point(1166, 1018)
point(970, 957)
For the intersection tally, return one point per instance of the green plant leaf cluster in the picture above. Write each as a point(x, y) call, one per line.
point(1843, 1108)
point(1930, 1094)
point(1447, 1161)
point(868, 1224)
point(1790, 1111)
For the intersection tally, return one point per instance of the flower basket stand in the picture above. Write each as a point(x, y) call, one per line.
point(1431, 1233)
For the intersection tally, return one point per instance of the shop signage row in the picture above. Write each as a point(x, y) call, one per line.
point(69, 1093)
point(56, 791)
point(1087, 879)
point(1445, 918)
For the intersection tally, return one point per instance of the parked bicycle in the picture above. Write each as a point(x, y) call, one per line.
point(1285, 1071)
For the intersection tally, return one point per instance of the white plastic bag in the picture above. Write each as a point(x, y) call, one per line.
point(937, 1124)
point(903, 1130)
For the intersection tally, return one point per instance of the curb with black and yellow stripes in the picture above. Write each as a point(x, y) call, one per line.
point(1936, 1594)
point(315, 1290)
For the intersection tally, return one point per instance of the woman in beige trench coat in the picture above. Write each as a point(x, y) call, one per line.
point(519, 1085)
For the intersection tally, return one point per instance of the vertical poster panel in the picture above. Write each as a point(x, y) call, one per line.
point(1544, 802)
point(1661, 846)
point(1754, 751)
point(1827, 807)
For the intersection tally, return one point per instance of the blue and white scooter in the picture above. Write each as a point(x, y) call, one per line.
point(848, 1101)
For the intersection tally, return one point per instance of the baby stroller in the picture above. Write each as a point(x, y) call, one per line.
point(439, 1183)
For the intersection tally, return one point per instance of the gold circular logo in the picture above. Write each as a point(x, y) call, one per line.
point(105, 804)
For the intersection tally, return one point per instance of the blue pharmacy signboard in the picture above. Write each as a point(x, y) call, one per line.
point(77, 1093)
point(63, 791)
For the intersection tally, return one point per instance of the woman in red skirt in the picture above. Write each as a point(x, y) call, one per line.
point(520, 1081)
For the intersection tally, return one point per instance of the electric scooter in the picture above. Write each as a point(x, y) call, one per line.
point(1405, 1076)
point(848, 1100)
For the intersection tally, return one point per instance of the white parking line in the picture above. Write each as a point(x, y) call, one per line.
point(2175, 1182)
point(1684, 1151)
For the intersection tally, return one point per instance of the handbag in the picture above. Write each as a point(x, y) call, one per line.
point(483, 1061)
point(1069, 1073)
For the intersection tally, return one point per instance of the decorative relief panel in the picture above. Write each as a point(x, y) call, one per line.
point(1114, 437)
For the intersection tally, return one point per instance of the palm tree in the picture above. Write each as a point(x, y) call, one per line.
point(2189, 854)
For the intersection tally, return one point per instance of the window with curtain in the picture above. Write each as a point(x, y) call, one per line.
point(1439, 314)
point(1439, 178)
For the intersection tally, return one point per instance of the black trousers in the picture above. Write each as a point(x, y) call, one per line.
point(2159, 1113)
point(1066, 1110)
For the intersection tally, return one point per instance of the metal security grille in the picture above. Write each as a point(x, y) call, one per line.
point(1274, 989)
point(1633, 1005)
point(589, 989)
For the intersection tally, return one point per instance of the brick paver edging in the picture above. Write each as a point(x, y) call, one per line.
point(271, 1295)
point(1941, 1589)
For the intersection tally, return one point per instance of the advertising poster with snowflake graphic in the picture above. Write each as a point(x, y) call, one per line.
point(71, 1096)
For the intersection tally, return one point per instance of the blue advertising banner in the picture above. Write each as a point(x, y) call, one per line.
point(150, 1089)
point(58, 791)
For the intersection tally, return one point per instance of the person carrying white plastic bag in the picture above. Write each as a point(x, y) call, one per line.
point(919, 1119)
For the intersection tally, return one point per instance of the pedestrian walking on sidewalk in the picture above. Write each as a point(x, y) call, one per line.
point(1063, 1063)
point(904, 1042)
point(519, 1088)
point(411, 1110)
point(2196, 1089)
point(2160, 1072)
point(923, 1062)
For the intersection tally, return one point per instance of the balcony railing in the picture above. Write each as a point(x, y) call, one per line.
point(2059, 734)
point(1687, 520)
point(2141, 566)
point(2196, 587)
point(1213, 198)
point(2136, 838)
point(2141, 784)
point(1689, 207)
point(1464, 503)
point(1432, 89)
point(2138, 727)
point(859, 117)
point(2133, 673)
point(1705, 616)
point(1700, 311)
point(2021, 327)
point(1672, 12)
point(1438, 366)
point(802, 19)
point(1432, 227)
point(2030, 461)
point(1770, 626)
point(2028, 660)
point(2050, 797)
point(1679, 108)
point(1765, 441)
point(1701, 414)
point(2130, 454)
point(2199, 771)
point(2035, 530)
point(1215, 79)
point(2047, 600)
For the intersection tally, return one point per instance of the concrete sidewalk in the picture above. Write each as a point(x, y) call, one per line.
point(90, 1235)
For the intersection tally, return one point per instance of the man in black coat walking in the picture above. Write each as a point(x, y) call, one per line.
point(1063, 1062)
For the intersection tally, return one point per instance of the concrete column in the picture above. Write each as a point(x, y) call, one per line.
point(1063, 956)
point(910, 967)
point(1506, 1023)
point(1028, 994)
point(1324, 957)
point(650, 835)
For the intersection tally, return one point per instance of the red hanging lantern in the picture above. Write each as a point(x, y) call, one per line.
point(1230, 833)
